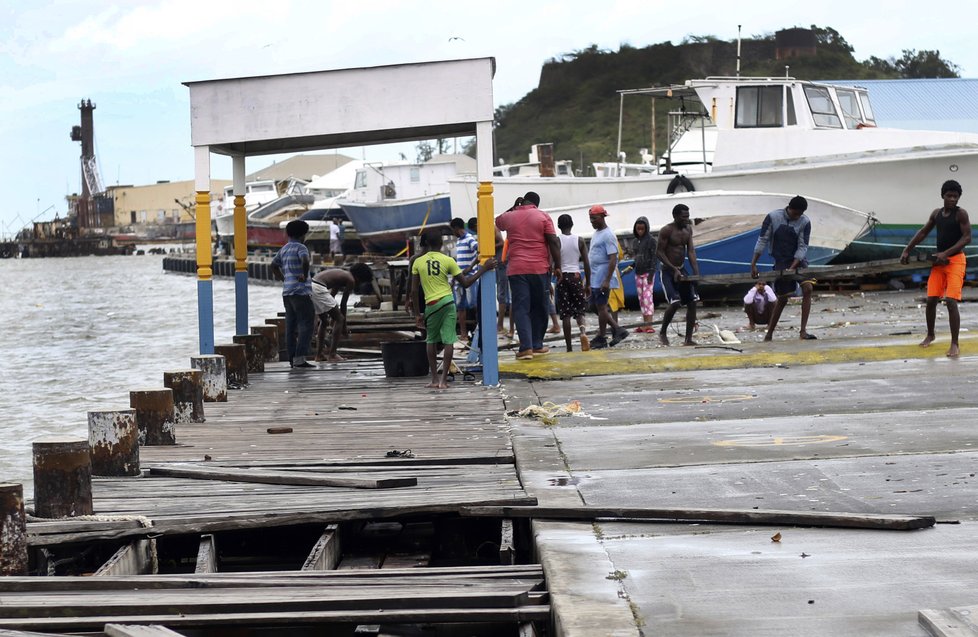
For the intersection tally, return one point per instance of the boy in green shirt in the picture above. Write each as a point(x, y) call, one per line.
point(433, 271)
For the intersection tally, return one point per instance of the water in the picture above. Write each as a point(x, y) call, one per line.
point(78, 334)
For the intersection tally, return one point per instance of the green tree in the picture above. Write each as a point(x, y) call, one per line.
point(918, 64)
point(425, 151)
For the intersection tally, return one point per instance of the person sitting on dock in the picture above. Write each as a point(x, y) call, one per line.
point(432, 272)
point(947, 274)
point(785, 232)
point(291, 265)
point(674, 247)
point(326, 285)
point(758, 305)
point(603, 258)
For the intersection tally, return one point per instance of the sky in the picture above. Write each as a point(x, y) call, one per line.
point(130, 59)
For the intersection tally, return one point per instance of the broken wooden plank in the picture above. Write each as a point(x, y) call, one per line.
point(827, 273)
point(507, 552)
point(134, 558)
point(303, 478)
point(206, 555)
point(142, 630)
point(721, 516)
point(325, 555)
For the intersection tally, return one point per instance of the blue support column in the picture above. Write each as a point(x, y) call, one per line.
point(487, 323)
point(241, 302)
point(205, 315)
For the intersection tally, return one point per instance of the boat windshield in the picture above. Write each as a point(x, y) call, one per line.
point(823, 110)
point(759, 106)
point(850, 107)
point(867, 109)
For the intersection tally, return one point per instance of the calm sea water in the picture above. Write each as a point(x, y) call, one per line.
point(78, 334)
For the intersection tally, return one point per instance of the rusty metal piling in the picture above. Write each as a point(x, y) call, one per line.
point(154, 416)
point(215, 377)
point(62, 478)
point(13, 530)
point(255, 350)
point(114, 439)
point(279, 323)
point(270, 334)
point(236, 362)
point(188, 394)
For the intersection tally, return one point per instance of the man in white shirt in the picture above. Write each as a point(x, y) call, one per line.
point(335, 244)
point(758, 304)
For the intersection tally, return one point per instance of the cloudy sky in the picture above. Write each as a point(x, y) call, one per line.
point(131, 57)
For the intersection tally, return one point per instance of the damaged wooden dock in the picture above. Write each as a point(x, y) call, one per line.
point(318, 496)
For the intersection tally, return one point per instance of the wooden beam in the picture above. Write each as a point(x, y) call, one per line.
point(206, 555)
point(325, 555)
point(828, 273)
point(301, 478)
point(135, 558)
point(721, 516)
point(507, 551)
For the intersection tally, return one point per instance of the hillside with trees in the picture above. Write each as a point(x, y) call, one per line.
point(576, 104)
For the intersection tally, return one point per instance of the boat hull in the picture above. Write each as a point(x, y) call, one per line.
point(385, 226)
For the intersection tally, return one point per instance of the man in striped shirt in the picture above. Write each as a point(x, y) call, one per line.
point(291, 265)
point(467, 257)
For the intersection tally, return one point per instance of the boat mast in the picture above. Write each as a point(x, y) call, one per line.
point(621, 109)
point(738, 50)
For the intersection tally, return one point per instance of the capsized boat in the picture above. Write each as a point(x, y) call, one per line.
point(778, 134)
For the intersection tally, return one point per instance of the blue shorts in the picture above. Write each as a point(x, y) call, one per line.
point(467, 298)
point(677, 291)
point(503, 296)
point(599, 297)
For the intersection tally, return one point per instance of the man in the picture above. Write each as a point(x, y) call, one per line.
point(533, 246)
point(291, 265)
point(467, 257)
point(571, 298)
point(785, 233)
point(432, 271)
point(603, 257)
point(758, 305)
point(947, 274)
point(674, 247)
point(335, 243)
point(326, 285)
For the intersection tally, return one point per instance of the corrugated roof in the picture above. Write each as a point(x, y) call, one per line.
point(949, 104)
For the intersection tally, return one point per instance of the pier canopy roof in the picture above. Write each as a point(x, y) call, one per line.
point(341, 108)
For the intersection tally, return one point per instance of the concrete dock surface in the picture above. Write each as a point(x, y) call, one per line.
point(860, 421)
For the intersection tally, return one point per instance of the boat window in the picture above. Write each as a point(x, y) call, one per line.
point(415, 174)
point(850, 107)
point(262, 188)
point(361, 180)
point(792, 116)
point(823, 110)
point(867, 109)
point(759, 106)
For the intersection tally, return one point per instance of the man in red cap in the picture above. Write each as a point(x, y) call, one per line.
point(603, 257)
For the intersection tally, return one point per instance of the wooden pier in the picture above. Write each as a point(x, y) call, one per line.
point(328, 496)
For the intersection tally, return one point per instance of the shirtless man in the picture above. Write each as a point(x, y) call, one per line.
point(325, 287)
point(947, 274)
point(675, 245)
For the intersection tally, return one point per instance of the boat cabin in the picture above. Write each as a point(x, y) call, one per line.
point(384, 182)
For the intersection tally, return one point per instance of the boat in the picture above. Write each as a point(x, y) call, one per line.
point(777, 134)
point(268, 204)
point(391, 202)
point(727, 224)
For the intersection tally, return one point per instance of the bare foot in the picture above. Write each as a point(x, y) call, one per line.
point(689, 342)
point(554, 330)
point(953, 351)
point(751, 327)
point(663, 339)
point(441, 386)
point(927, 341)
point(335, 358)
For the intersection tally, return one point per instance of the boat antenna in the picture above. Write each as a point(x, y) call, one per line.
point(786, 71)
point(738, 50)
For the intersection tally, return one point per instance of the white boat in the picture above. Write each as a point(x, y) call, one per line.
point(268, 205)
point(779, 134)
point(728, 224)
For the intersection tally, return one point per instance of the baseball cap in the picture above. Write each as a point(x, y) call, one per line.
point(598, 209)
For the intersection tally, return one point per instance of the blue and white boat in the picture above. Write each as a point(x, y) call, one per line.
point(391, 202)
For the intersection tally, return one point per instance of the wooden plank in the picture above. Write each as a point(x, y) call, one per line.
point(406, 560)
point(206, 555)
point(325, 555)
point(360, 562)
point(279, 477)
point(826, 273)
point(722, 516)
point(127, 630)
point(507, 551)
point(134, 558)
point(527, 629)
point(948, 622)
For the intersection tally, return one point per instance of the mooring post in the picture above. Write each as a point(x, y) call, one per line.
point(62, 478)
point(188, 394)
point(114, 439)
point(255, 350)
point(270, 334)
point(279, 323)
point(236, 363)
point(13, 530)
point(154, 416)
point(215, 376)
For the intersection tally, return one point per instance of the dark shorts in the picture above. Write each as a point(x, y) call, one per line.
point(677, 291)
point(571, 298)
point(790, 285)
point(599, 297)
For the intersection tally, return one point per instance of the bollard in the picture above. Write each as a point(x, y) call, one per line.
point(215, 376)
point(279, 323)
point(154, 416)
point(236, 362)
point(255, 350)
point(62, 478)
point(188, 394)
point(13, 530)
point(270, 334)
point(114, 440)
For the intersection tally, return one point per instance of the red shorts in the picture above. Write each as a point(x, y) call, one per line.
point(947, 280)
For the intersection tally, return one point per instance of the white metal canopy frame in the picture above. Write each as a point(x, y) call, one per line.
point(320, 110)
